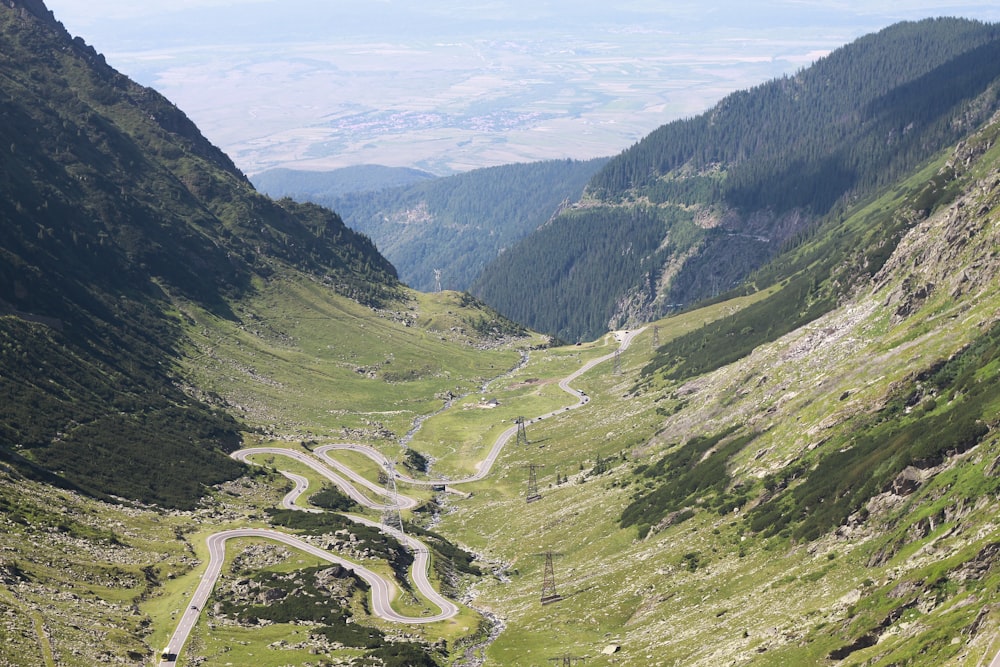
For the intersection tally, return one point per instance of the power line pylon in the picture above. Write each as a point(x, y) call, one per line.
point(522, 434)
point(437, 280)
point(568, 660)
point(533, 494)
point(656, 337)
point(391, 518)
point(549, 594)
point(617, 369)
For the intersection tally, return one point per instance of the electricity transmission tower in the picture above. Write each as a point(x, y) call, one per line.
point(437, 280)
point(617, 370)
point(656, 337)
point(533, 494)
point(522, 434)
point(391, 518)
point(568, 660)
point(549, 593)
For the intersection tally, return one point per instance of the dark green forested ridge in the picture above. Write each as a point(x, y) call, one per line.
point(562, 256)
point(115, 208)
point(312, 185)
point(849, 121)
point(821, 269)
point(765, 166)
point(458, 224)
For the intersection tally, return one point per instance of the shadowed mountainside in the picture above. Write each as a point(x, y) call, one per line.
point(117, 210)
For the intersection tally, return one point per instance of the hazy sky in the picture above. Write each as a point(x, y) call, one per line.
point(449, 86)
point(83, 15)
point(104, 17)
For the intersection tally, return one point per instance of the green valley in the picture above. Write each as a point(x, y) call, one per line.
point(231, 435)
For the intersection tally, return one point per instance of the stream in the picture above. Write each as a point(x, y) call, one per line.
point(419, 420)
point(472, 655)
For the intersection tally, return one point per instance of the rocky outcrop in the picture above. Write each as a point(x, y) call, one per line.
point(949, 253)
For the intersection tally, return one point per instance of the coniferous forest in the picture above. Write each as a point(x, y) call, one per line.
point(454, 226)
point(736, 184)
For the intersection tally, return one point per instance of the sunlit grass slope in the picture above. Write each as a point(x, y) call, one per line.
point(303, 362)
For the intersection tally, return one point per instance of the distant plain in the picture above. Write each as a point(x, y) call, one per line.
point(448, 87)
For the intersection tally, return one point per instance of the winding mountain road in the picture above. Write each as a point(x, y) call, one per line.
point(483, 468)
point(382, 590)
point(301, 486)
point(323, 469)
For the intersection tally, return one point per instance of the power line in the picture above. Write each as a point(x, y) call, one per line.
point(391, 518)
point(549, 593)
point(533, 494)
point(522, 434)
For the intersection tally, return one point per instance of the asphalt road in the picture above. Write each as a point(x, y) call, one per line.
point(301, 486)
point(382, 590)
point(483, 469)
point(343, 484)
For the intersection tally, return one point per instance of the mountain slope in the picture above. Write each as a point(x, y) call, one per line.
point(806, 474)
point(723, 192)
point(827, 498)
point(312, 185)
point(454, 226)
point(115, 208)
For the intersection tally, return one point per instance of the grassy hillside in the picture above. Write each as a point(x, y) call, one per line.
point(300, 366)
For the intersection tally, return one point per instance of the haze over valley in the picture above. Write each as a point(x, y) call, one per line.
point(448, 87)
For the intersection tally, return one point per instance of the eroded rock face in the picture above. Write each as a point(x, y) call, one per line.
point(978, 567)
point(958, 236)
point(908, 481)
